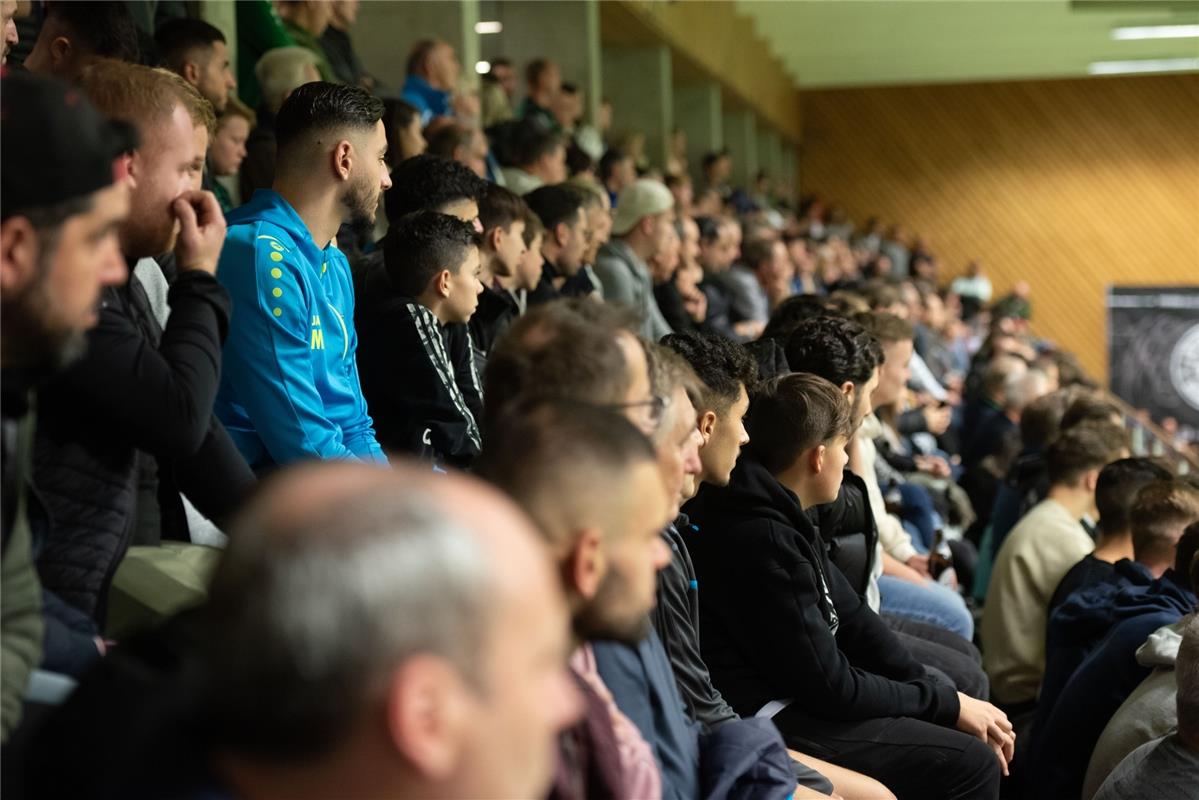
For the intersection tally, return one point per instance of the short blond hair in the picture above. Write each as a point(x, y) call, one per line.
point(281, 71)
point(236, 108)
point(143, 96)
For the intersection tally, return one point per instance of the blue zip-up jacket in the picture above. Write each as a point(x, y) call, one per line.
point(289, 386)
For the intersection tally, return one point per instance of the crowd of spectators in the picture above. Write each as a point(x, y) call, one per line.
point(380, 437)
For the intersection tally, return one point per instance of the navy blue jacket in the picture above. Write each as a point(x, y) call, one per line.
point(1100, 684)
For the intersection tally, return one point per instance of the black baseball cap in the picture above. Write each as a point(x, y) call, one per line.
point(55, 146)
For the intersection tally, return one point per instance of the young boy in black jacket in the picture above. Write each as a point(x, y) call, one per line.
point(418, 368)
point(786, 636)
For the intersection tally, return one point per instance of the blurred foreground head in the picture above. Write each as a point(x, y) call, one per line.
point(385, 634)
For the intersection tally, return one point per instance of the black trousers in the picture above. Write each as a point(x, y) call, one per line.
point(916, 760)
point(944, 651)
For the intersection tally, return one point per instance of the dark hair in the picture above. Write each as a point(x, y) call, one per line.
point(564, 349)
point(397, 116)
point(1117, 487)
point(104, 29)
point(536, 68)
point(530, 140)
point(886, 328)
point(1090, 407)
point(758, 250)
point(672, 181)
point(501, 61)
point(1091, 445)
point(577, 159)
point(1186, 557)
point(723, 366)
point(836, 349)
point(421, 245)
point(709, 229)
point(546, 451)
point(555, 204)
point(319, 107)
point(712, 157)
point(791, 312)
point(608, 161)
point(1159, 512)
point(533, 226)
point(177, 37)
point(791, 414)
point(500, 207)
point(1041, 420)
point(450, 137)
point(430, 182)
point(879, 293)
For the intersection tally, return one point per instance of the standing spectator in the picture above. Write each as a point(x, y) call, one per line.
point(543, 81)
point(279, 73)
point(433, 71)
point(60, 211)
point(339, 48)
point(641, 226)
point(196, 51)
point(305, 22)
point(259, 30)
point(228, 149)
point(421, 382)
point(74, 35)
point(290, 389)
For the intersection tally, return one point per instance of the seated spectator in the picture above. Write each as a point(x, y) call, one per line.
point(616, 171)
point(538, 158)
point(564, 244)
point(529, 270)
point(1107, 677)
point(279, 72)
point(599, 222)
point(110, 471)
point(305, 22)
point(1166, 768)
point(640, 227)
point(405, 138)
point(465, 144)
point(502, 216)
point(418, 373)
point(61, 208)
point(1115, 492)
point(543, 81)
point(228, 149)
point(1037, 554)
point(836, 681)
point(680, 186)
point(339, 47)
point(432, 78)
point(441, 593)
point(196, 51)
point(75, 35)
point(1151, 711)
point(290, 388)
point(429, 183)
point(718, 248)
point(764, 280)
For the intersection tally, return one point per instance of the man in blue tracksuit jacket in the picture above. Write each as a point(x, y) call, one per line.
point(289, 388)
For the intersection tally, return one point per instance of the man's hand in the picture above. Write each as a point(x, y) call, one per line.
point(933, 465)
point(201, 231)
point(986, 722)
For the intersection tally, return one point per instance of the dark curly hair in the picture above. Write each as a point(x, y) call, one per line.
point(836, 349)
point(421, 245)
point(723, 366)
point(428, 182)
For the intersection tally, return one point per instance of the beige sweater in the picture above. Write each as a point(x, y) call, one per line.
point(1036, 555)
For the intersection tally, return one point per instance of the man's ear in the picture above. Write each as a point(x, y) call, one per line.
point(60, 50)
point(585, 564)
point(343, 159)
point(191, 72)
point(1090, 479)
point(847, 389)
point(442, 283)
point(816, 459)
point(19, 248)
point(492, 237)
point(427, 715)
point(706, 424)
point(561, 234)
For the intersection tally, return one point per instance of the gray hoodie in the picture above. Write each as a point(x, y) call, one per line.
point(1149, 713)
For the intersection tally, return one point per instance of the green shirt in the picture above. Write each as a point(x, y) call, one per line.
point(259, 29)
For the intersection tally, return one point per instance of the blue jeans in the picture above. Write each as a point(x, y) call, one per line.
point(932, 603)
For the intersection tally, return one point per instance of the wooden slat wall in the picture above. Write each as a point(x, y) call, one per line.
point(1070, 185)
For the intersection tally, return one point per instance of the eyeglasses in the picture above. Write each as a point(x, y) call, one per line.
point(656, 405)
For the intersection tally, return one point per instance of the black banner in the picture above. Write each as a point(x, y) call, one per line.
point(1153, 351)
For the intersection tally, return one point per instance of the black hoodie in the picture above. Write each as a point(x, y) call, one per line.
point(781, 622)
